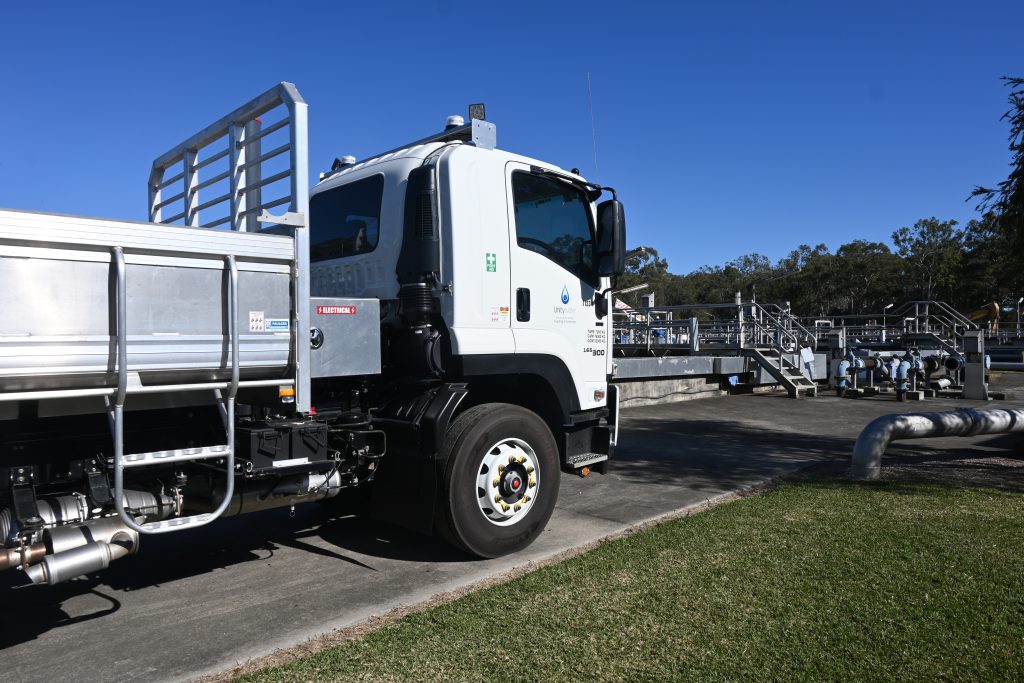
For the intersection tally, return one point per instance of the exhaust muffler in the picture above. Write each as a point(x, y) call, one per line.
point(84, 559)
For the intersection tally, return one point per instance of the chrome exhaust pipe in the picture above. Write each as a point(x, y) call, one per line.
point(265, 495)
point(73, 550)
point(91, 557)
point(105, 537)
point(23, 556)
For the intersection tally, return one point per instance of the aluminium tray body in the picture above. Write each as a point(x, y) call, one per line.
point(57, 302)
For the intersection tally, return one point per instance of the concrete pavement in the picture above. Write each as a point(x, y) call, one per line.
point(201, 601)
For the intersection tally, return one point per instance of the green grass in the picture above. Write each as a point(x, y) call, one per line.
point(817, 580)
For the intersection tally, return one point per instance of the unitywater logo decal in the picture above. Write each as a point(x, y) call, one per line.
point(564, 314)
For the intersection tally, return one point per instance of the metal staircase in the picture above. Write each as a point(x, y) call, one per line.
point(784, 371)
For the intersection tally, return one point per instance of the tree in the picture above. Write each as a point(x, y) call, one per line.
point(812, 289)
point(990, 270)
point(646, 267)
point(931, 251)
point(866, 275)
point(1006, 200)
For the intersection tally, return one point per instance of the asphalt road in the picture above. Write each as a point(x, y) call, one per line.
point(201, 601)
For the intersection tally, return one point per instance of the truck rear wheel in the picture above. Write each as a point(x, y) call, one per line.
point(501, 479)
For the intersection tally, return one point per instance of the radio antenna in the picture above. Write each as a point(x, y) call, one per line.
point(593, 126)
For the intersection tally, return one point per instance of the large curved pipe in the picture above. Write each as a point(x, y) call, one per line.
point(842, 374)
point(953, 363)
point(876, 437)
point(903, 374)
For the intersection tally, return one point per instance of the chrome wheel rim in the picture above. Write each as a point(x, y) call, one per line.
point(508, 481)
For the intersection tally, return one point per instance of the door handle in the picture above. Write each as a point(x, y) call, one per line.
point(523, 305)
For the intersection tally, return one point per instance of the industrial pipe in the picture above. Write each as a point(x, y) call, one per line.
point(953, 363)
point(876, 437)
point(902, 374)
point(843, 371)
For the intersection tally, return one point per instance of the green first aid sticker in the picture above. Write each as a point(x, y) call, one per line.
point(492, 262)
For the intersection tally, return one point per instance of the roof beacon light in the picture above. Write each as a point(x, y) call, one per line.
point(455, 121)
point(343, 162)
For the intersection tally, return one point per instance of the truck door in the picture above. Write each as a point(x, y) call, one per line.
point(551, 242)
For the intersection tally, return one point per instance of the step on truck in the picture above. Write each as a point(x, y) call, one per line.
point(430, 323)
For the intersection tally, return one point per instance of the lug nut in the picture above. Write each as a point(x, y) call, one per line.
point(522, 458)
point(518, 507)
point(504, 507)
point(511, 459)
point(532, 482)
point(501, 468)
point(497, 499)
point(497, 480)
point(526, 499)
point(529, 469)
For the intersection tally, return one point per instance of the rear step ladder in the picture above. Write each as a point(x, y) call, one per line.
point(124, 460)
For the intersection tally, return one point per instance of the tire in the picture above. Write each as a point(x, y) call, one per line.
point(478, 447)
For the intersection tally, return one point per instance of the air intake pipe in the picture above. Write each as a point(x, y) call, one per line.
point(419, 261)
point(876, 437)
point(417, 349)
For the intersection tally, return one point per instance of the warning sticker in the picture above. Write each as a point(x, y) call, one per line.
point(336, 310)
point(257, 323)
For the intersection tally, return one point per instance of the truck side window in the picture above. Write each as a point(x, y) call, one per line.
point(345, 220)
point(553, 219)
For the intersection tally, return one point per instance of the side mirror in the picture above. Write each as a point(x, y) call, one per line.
point(611, 238)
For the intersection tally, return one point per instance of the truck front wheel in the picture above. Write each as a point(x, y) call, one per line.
point(501, 479)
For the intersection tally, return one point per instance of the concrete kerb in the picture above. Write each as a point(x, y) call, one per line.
point(363, 628)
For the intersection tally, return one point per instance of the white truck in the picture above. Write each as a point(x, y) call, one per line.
point(431, 322)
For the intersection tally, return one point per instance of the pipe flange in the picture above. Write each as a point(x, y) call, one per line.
point(977, 420)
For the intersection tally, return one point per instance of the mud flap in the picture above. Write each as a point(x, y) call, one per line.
point(405, 489)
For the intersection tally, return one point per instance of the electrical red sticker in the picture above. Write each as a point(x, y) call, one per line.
point(335, 310)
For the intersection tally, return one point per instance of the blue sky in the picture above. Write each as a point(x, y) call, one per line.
point(727, 128)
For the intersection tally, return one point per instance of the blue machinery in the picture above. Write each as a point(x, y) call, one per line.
point(909, 373)
point(915, 350)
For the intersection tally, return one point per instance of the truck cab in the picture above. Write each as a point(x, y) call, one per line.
point(506, 247)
